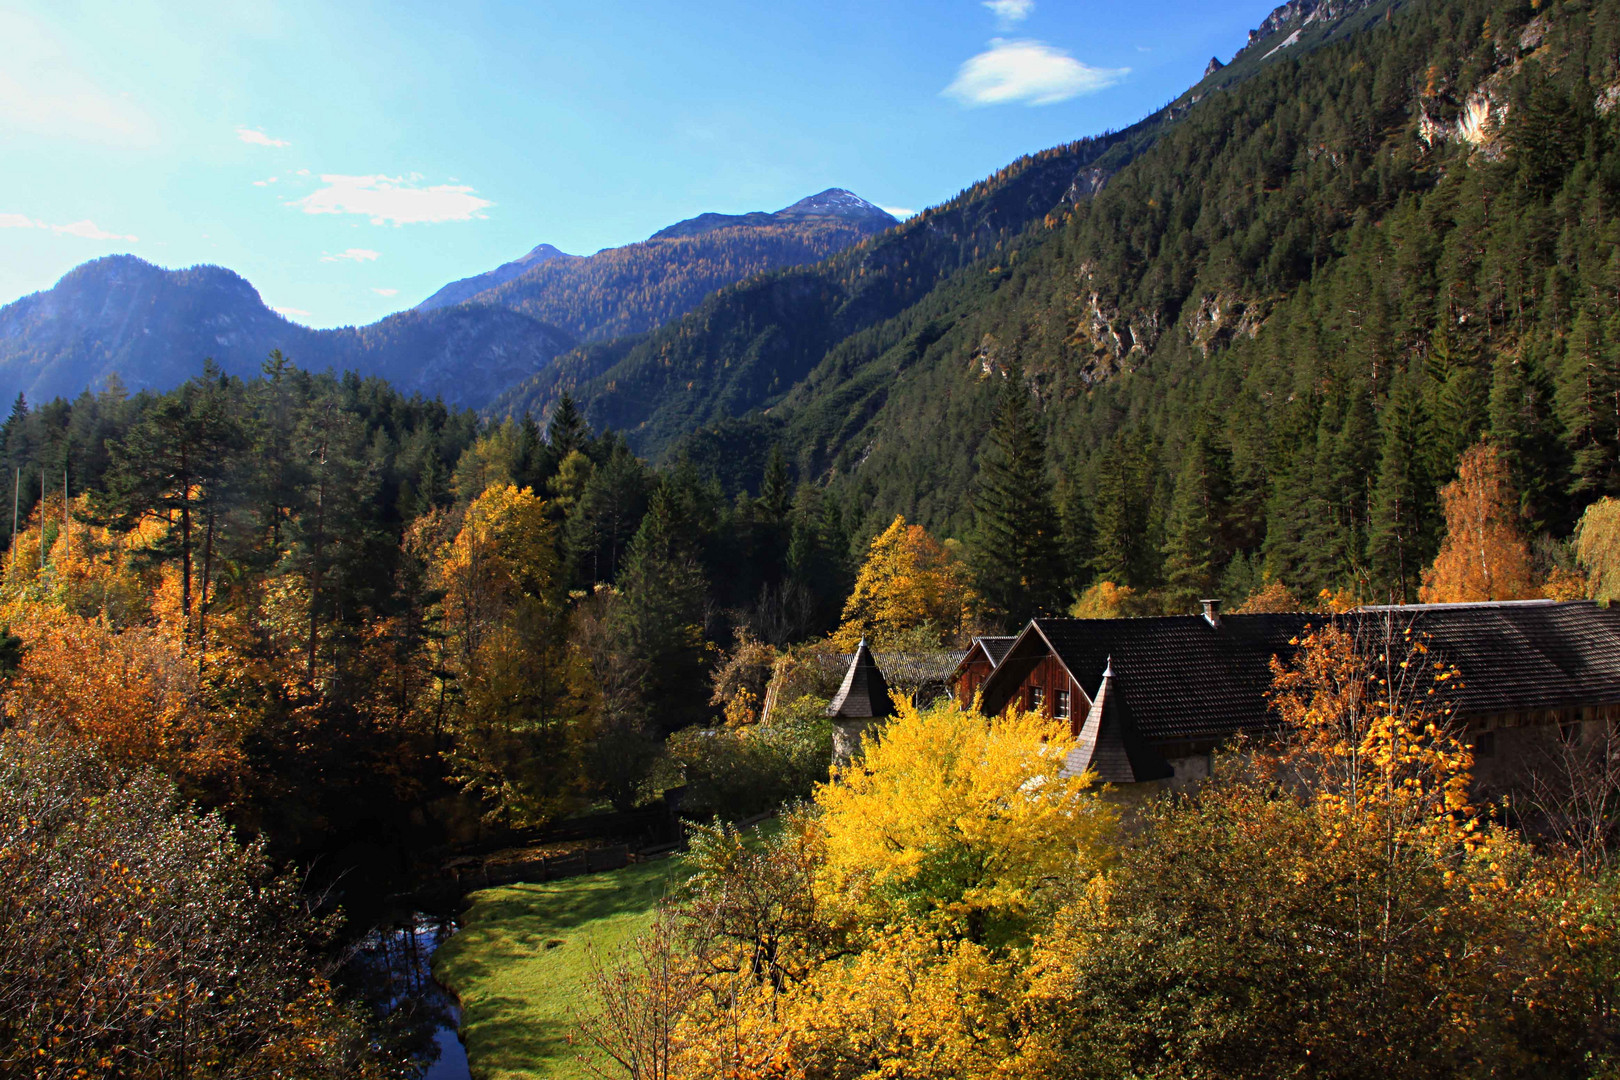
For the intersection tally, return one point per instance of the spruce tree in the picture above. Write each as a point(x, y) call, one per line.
point(661, 618)
point(1401, 541)
point(1120, 516)
point(567, 430)
point(1017, 538)
point(1196, 548)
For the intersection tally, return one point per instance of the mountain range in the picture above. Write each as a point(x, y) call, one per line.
point(152, 327)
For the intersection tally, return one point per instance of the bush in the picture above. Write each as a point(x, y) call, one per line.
point(138, 939)
point(736, 772)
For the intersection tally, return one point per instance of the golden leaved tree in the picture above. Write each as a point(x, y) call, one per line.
point(1484, 555)
point(910, 582)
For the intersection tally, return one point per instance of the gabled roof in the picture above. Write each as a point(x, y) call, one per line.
point(1179, 676)
point(1109, 744)
point(1183, 677)
point(991, 649)
point(864, 694)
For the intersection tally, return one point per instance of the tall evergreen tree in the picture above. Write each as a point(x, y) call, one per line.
point(1121, 516)
point(1196, 548)
point(1403, 522)
point(1017, 538)
point(567, 430)
point(662, 616)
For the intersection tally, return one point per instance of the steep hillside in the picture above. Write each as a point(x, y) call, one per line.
point(154, 327)
point(636, 288)
point(749, 346)
point(1259, 346)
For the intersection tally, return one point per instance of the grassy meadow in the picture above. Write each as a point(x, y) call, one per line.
point(521, 963)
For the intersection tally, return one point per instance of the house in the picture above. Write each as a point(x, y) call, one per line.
point(977, 664)
point(862, 700)
point(1150, 699)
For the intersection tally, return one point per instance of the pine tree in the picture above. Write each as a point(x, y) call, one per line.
point(1403, 500)
point(1196, 549)
point(662, 616)
point(1017, 540)
point(1120, 516)
point(567, 430)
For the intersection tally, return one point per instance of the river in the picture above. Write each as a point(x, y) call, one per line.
point(389, 967)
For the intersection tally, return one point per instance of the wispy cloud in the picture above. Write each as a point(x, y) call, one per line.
point(291, 312)
point(351, 255)
point(1010, 12)
point(265, 182)
point(45, 91)
point(386, 292)
point(84, 230)
point(1032, 72)
point(900, 212)
point(255, 137)
point(393, 199)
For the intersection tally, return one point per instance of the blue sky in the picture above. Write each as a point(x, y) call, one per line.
point(350, 158)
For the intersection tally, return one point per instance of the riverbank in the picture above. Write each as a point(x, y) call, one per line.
point(521, 963)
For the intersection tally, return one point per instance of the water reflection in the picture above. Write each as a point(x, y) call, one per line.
point(418, 1018)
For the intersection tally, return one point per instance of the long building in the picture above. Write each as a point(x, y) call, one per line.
point(1151, 699)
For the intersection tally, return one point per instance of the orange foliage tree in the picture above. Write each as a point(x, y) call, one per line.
point(909, 582)
point(1484, 555)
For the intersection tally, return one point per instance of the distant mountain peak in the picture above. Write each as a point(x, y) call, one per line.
point(465, 289)
point(834, 203)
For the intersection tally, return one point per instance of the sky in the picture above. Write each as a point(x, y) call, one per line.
point(350, 158)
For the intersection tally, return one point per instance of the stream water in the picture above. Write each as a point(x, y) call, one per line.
point(390, 968)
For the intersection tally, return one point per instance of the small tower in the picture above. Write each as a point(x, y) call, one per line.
point(863, 698)
point(1108, 743)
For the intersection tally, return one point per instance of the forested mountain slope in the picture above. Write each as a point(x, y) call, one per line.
point(748, 346)
point(638, 287)
point(1258, 350)
point(154, 327)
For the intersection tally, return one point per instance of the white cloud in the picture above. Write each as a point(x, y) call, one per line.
point(393, 199)
point(291, 312)
point(1010, 12)
point(84, 230)
point(1029, 71)
point(351, 255)
point(44, 91)
point(265, 182)
point(900, 212)
point(386, 292)
point(255, 137)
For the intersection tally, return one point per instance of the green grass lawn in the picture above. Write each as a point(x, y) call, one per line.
point(521, 962)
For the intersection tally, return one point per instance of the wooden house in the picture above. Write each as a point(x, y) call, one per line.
point(1150, 699)
point(977, 664)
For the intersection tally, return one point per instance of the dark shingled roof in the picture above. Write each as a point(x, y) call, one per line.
point(996, 647)
point(1178, 676)
point(1183, 678)
point(864, 694)
point(1517, 657)
point(1110, 745)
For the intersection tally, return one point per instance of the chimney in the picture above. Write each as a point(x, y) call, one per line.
point(1212, 612)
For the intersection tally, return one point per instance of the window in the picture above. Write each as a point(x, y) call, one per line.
point(1060, 704)
point(1485, 744)
point(1037, 698)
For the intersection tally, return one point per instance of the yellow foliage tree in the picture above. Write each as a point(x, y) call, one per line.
point(967, 824)
point(909, 581)
point(520, 698)
point(1484, 555)
point(1104, 600)
point(1597, 546)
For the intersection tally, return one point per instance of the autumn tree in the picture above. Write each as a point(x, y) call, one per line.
point(1597, 546)
point(1484, 555)
point(909, 580)
point(1340, 887)
point(139, 939)
point(506, 627)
